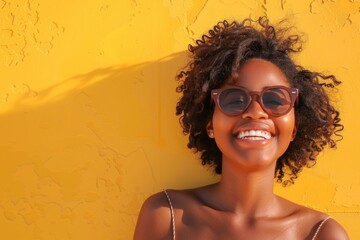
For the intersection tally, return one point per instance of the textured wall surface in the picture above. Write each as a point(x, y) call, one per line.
point(87, 98)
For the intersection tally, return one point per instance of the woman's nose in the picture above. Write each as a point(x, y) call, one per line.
point(255, 111)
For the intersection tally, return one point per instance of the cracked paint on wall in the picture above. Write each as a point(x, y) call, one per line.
point(340, 11)
point(22, 31)
point(87, 102)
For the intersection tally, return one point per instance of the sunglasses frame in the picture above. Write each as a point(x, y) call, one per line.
point(293, 93)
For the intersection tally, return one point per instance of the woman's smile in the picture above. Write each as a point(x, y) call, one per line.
point(253, 135)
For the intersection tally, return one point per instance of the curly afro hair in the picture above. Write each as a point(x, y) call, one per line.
point(219, 54)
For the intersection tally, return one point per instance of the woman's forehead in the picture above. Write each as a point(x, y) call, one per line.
point(258, 73)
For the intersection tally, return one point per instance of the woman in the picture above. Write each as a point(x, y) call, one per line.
point(253, 115)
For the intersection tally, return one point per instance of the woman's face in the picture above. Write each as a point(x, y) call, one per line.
point(254, 139)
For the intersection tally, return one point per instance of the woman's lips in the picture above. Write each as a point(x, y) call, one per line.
point(254, 135)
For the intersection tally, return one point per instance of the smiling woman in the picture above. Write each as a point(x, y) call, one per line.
point(254, 115)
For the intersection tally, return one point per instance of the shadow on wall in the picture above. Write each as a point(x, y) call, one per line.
point(89, 150)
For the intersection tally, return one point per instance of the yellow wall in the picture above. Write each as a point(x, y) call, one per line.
point(87, 97)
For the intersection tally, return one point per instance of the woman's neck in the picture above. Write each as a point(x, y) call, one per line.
point(249, 193)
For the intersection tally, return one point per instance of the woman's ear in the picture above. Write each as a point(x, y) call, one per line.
point(209, 129)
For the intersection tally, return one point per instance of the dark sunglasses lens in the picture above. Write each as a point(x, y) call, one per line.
point(276, 101)
point(233, 101)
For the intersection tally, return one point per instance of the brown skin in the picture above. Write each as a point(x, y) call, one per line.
point(242, 205)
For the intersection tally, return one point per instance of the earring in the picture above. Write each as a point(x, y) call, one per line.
point(211, 134)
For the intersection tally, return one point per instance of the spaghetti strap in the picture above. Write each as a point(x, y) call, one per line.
point(319, 227)
point(172, 214)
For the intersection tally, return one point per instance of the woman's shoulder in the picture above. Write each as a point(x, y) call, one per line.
point(155, 217)
point(159, 203)
point(329, 229)
point(154, 220)
point(325, 227)
point(321, 225)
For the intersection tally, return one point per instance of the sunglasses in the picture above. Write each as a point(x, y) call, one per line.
point(275, 100)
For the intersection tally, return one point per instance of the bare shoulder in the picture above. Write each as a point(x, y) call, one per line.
point(154, 220)
point(331, 230)
point(323, 226)
point(315, 224)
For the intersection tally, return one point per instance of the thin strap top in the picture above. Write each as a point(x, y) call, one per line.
point(173, 219)
point(319, 227)
point(172, 214)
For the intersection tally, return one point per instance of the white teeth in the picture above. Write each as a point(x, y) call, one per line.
point(254, 135)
